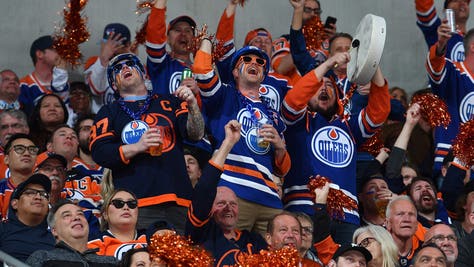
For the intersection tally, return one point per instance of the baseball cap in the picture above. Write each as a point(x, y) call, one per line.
point(117, 28)
point(256, 32)
point(44, 157)
point(42, 43)
point(184, 18)
point(348, 247)
point(79, 86)
point(446, 2)
point(199, 154)
point(157, 225)
point(37, 178)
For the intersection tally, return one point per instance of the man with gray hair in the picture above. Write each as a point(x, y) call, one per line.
point(12, 121)
point(402, 224)
point(444, 237)
point(70, 229)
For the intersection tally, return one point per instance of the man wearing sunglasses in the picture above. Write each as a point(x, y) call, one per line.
point(20, 157)
point(126, 131)
point(274, 85)
point(261, 151)
point(26, 229)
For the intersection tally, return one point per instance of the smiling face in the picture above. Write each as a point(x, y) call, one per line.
point(461, 10)
point(286, 232)
point(180, 37)
point(225, 208)
point(250, 69)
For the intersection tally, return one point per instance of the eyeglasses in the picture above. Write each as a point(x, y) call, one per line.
point(366, 242)
point(20, 149)
point(49, 168)
point(316, 11)
point(118, 203)
point(33, 192)
point(118, 67)
point(248, 59)
point(441, 238)
point(307, 230)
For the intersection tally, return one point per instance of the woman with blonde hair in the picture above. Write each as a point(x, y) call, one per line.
point(379, 242)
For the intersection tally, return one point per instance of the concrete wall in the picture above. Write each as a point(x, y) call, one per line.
point(22, 21)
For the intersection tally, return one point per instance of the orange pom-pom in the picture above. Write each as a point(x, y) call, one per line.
point(373, 145)
point(337, 201)
point(144, 6)
point(313, 32)
point(140, 36)
point(284, 257)
point(433, 109)
point(74, 32)
point(176, 250)
point(463, 145)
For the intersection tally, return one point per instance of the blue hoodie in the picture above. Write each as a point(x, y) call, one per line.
point(20, 240)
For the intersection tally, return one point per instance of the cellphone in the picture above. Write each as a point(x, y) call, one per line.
point(330, 20)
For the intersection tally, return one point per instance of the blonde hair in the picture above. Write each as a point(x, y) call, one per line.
point(387, 245)
point(106, 185)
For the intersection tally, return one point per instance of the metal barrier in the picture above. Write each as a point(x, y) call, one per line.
point(9, 261)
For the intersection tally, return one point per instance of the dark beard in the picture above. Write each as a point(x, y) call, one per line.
point(424, 209)
point(328, 114)
point(84, 147)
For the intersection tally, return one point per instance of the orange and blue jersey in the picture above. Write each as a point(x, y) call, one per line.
point(154, 180)
point(95, 172)
point(428, 21)
point(327, 148)
point(109, 245)
point(32, 88)
point(453, 82)
point(164, 70)
point(249, 167)
point(6, 190)
point(273, 87)
point(203, 230)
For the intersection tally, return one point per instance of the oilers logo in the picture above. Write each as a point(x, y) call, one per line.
point(332, 146)
point(132, 132)
point(126, 247)
point(457, 53)
point(249, 129)
point(175, 81)
point(466, 108)
point(271, 96)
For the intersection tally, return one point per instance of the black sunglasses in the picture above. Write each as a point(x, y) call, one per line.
point(118, 203)
point(260, 61)
point(118, 67)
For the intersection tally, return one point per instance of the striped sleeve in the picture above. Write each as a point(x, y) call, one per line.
point(435, 65)
point(156, 36)
point(225, 35)
point(377, 110)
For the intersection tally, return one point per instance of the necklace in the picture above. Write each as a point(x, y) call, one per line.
point(135, 115)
